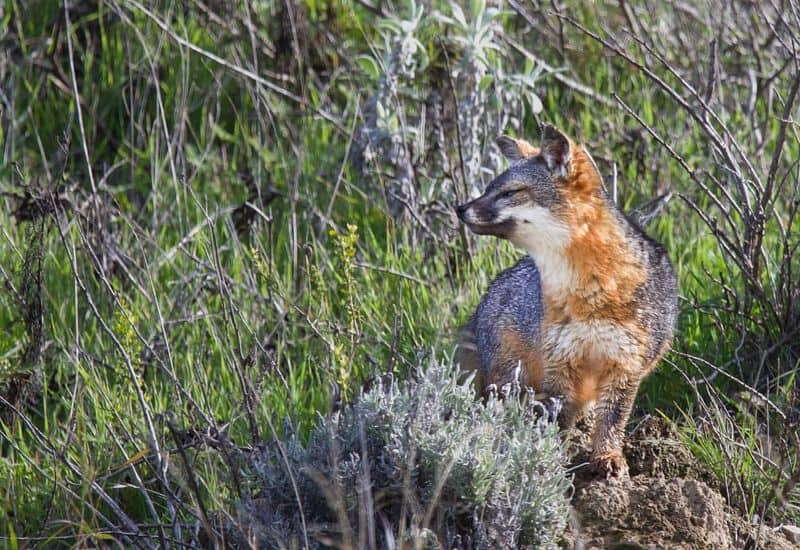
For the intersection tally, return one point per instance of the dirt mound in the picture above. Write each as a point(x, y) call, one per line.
point(670, 501)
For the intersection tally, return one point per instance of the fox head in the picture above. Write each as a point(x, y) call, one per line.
point(542, 199)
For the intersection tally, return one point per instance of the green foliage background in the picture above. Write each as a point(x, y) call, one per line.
point(190, 254)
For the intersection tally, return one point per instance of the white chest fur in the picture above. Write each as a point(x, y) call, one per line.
point(591, 344)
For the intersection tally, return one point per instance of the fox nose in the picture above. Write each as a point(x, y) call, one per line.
point(461, 209)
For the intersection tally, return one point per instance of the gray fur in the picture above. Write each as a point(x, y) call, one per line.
point(657, 298)
point(513, 301)
point(535, 178)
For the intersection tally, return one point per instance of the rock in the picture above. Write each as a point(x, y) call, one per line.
point(791, 532)
point(670, 501)
point(652, 512)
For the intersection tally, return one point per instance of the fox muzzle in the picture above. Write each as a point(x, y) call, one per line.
point(482, 220)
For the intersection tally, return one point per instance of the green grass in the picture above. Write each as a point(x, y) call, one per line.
point(156, 306)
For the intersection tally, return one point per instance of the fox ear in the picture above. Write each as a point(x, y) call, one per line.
point(556, 150)
point(515, 149)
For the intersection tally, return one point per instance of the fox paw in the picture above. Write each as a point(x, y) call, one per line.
point(610, 465)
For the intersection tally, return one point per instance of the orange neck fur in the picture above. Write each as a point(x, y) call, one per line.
point(605, 270)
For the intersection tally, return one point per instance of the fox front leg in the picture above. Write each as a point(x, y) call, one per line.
point(613, 412)
point(560, 402)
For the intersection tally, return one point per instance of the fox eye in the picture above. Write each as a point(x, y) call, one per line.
point(507, 194)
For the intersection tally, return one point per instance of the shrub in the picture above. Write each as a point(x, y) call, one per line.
point(422, 462)
point(443, 88)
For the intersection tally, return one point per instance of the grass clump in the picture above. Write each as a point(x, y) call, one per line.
point(418, 463)
point(750, 445)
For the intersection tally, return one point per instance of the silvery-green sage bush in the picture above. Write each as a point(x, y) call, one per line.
point(420, 461)
point(442, 87)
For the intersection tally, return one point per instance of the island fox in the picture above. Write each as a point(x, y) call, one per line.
point(592, 310)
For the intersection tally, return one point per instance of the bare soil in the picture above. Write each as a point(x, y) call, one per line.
point(669, 501)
